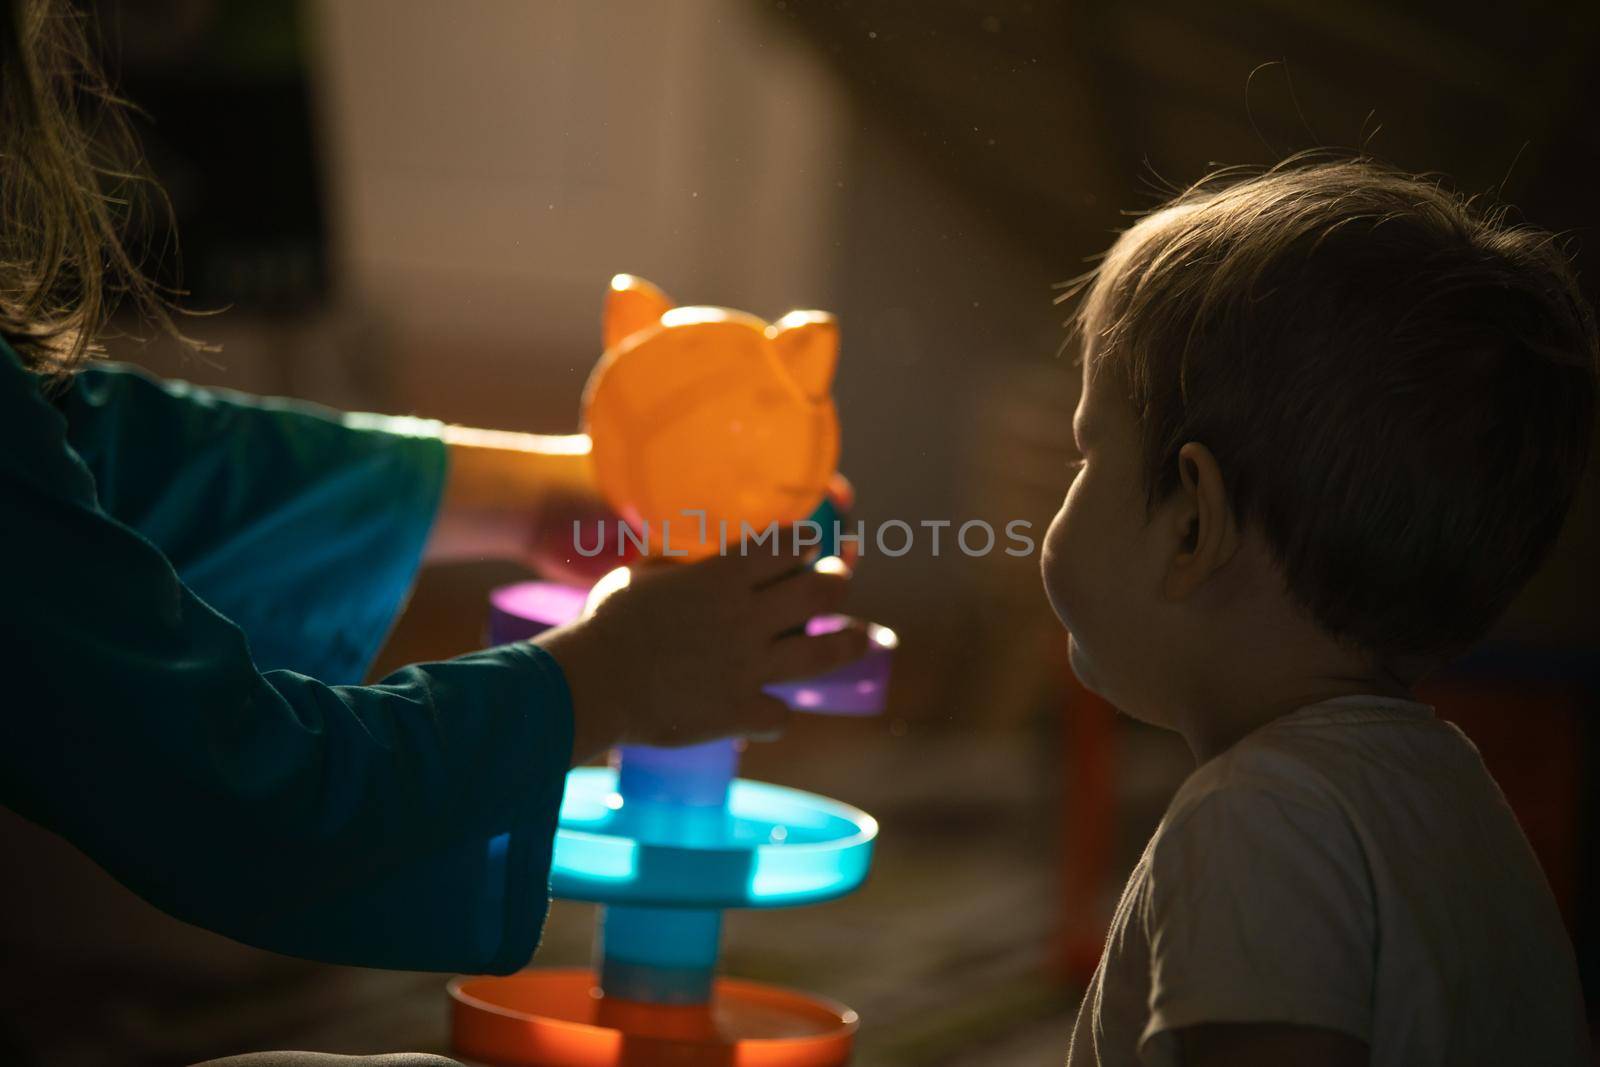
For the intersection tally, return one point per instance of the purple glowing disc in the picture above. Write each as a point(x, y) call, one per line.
point(860, 687)
point(518, 612)
point(527, 609)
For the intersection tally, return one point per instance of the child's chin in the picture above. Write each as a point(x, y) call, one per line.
point(1083, 666)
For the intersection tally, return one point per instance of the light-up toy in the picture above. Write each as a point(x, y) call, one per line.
point(715, 411)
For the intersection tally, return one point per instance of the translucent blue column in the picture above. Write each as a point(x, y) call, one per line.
point(676, 796)
point(659, 955)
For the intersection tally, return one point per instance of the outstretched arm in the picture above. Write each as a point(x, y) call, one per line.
point(305, 525)
point(302, 525)
point(406, 824)
point(515, 496)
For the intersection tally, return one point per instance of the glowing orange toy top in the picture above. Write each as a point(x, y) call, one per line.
point(705, 409)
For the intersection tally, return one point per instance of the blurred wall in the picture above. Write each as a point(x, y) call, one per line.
point(494, 162)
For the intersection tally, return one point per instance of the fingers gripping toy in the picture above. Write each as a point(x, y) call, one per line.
point(707, 410)
point(690, 409)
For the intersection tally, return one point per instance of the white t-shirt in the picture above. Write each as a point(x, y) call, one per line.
point(1350, 866)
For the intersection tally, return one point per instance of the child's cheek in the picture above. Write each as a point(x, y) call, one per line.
point(1057, 564)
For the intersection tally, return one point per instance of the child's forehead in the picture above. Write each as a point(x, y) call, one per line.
point(1094, 365)
point(1092, 395)
point(1101, 329)
point(1106, 408)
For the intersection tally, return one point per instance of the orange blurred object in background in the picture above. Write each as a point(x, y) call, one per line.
point(704, 409)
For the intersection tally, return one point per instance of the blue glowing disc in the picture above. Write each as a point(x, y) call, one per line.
point(770, 847)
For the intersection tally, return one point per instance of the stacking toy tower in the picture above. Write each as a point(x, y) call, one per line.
point(717, 413)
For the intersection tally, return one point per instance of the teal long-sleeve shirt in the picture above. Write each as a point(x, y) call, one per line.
point(191, 578)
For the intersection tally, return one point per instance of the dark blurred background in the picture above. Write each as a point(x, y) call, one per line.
point(409, 206)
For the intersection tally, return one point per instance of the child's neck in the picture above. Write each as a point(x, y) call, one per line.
point(1241, 685)
point(1249, 654)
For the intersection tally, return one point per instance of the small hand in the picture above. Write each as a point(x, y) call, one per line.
point(679, 653)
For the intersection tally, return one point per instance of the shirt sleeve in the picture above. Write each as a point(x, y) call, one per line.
point(302, 525)
point(1259, 909)
point(407, 824)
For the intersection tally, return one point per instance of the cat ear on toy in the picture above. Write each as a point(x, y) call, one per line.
point(632, 304)
point(807, 342)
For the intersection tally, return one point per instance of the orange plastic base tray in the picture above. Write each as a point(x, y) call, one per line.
point(557, 1018)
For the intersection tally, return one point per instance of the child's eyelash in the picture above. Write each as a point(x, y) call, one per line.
point(1076, 465)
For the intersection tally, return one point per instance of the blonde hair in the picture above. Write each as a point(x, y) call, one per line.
point(70, 185)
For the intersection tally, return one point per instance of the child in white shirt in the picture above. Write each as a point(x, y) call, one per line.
point(1332, 419)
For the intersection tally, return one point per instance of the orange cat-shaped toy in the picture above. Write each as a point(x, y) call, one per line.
point(705, 409)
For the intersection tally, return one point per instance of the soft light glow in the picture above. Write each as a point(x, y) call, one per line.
point(549, 444)
point(830, 565)
point(613, 582)
point(695, 316)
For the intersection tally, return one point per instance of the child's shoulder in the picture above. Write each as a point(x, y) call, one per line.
point(1340, 762)
point(1351, 846)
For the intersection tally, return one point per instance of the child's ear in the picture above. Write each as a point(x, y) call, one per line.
point(632, 304)
point(808, 344)
point(1206, 532)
